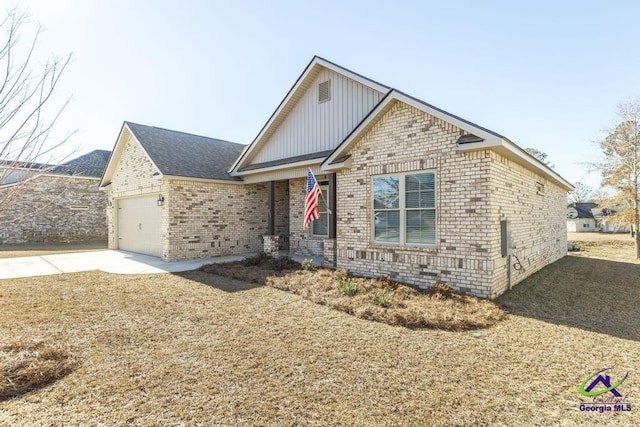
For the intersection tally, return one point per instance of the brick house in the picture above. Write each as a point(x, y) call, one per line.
point(411, 191)
point(170, 195)
point(48, 203)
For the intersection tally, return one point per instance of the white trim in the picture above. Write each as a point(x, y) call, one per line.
point(186, 178)
point(302, 80)
point(337, 166)
point(316, 161)
point(116, 154)
point(510, 150)
point(311, 233)
point(395, 96)
point(491, 141)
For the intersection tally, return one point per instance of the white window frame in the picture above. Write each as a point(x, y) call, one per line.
point(324, 187)
point(403, 210)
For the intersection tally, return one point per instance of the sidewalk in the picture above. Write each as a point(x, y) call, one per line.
point(118, 262)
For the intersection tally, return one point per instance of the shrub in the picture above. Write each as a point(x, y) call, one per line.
point(346, 286)
point(382, 297)
point(282, 263)
point(257, 259)
point(308, 265)
point(441, 289)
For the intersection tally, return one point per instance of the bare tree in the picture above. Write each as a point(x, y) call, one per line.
point(581, 193)
point(540, 155)
point(621, 167)
point(28, 146)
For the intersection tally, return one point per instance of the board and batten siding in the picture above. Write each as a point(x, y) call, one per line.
point(312, 127)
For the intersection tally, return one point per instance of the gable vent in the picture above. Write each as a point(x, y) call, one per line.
point(324, 91)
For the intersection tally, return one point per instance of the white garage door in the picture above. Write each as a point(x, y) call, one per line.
point(139, 225)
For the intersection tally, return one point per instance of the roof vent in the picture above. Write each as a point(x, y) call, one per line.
point(324, 91)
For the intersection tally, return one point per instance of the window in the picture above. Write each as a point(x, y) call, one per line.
point(404, 209)
point(321, 225)
point(585, 225)
point(539, 188)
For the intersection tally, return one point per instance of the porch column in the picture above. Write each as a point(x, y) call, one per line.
point(330, 244)
point(332, 206)
point(271, 240)
point(271, 203)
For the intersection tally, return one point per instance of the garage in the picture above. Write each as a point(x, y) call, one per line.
point(139, 225)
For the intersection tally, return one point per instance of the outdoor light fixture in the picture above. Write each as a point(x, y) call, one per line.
point(109, 204)
point(160, 200)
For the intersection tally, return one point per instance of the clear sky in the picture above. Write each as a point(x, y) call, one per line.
point(546, 74)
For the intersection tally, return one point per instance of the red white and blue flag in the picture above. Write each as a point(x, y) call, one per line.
point(311, 212)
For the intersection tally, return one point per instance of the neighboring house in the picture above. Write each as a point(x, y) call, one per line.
point(587, 217)
point(580, 219)
point(413, 192)
point(54, 203)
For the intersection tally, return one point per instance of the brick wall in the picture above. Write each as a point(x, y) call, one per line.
point(207, 219)
point(55, 209)
point(282, 213)
point(133, 176)
point(475, 191)
point(199, 219)
point(407, 139)
point(538, 221)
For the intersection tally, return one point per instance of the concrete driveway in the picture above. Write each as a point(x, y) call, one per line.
point(118, 262)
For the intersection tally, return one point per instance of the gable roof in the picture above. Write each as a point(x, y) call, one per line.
point(584, 209)
point(477, 137)
point(181, 154)
point(90, 165)
point(296, 92)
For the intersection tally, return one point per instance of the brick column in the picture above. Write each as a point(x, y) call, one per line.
point(330, 247)
point(271, 245)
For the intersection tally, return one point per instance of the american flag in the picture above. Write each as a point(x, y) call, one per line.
point(311, 202)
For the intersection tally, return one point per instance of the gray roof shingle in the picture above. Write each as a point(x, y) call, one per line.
point(584, 209)
point(183, 154)
point(91, 164)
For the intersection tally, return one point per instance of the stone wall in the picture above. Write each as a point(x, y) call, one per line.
point(55, 209)
point(537, 218)
point(407, 139)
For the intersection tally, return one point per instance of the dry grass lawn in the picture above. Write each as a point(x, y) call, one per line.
point(615, 247)
point(28, 365)
point(198, 349)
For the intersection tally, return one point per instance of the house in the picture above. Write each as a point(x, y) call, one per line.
point(409, 191)
point(588, 217)
point(580, 218)
point(43, 202)
point(170, 195)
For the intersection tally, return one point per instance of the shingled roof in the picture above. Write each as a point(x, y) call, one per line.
point(90, 165)
point(584, 209)
point(183, 154)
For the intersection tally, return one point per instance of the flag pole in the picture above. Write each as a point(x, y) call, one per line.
point(322, 195)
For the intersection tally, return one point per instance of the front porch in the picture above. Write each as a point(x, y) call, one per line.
point(288, 237)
